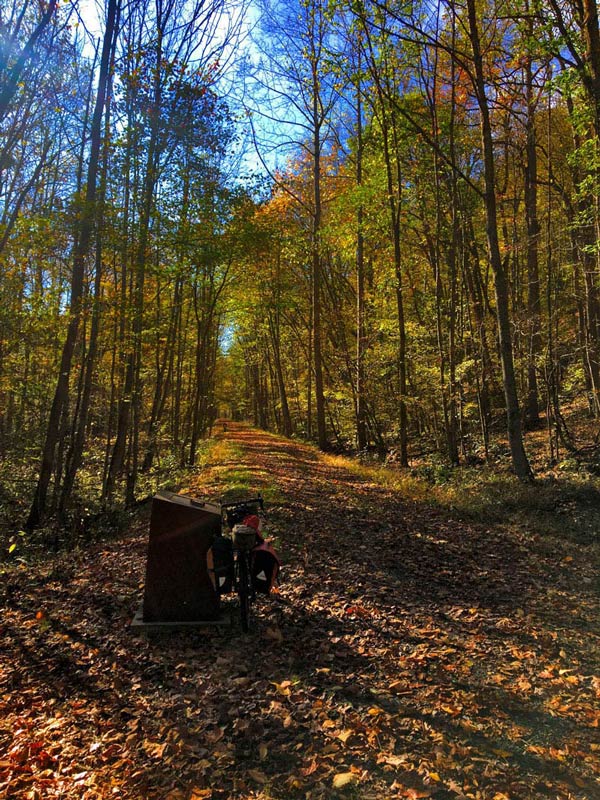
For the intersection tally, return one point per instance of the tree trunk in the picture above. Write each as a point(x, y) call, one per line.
point(583, 239)
point(132, 390)
point(75, 453)
point(385, 95)
point(361, 417)
point(514, 429)
point(164, 377)
point(286, 419)
point(83, 237)
point(532, 409)
point(316, 266)
point(12, 76)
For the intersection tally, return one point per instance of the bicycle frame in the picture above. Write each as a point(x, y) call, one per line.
point(233, 514)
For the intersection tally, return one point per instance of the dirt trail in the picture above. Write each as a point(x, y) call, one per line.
point(408, 654)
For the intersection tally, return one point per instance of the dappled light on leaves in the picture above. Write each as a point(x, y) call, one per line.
point(418, 655)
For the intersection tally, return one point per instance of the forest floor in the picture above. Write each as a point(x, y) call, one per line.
point(412, 651)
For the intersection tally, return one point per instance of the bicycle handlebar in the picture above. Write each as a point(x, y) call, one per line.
point(249, 501)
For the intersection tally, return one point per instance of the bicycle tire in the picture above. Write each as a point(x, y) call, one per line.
point(243, 588)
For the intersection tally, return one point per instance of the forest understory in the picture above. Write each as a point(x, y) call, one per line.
point(425, 642)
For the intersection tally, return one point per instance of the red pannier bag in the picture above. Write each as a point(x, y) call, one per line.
point(265, 567)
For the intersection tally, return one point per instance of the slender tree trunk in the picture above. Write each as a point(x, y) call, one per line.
point(317, 266)
point(394, 205)
point(82, 246)
point(532, 409)
point(275, 331)
point(591, 39)
point(12, 76)
point(361, 417)
point(456, 243)
point(309, 375)
point(165, 372)
point(402, 335)
point(75, 454)
point(164, 377)
point(14, 214)
point(132, 388)
point(584, 244)
point(591, 31)
point(203, 322)
point(178, 367)
point(385, 92)
point(286, 418)
point(515, 434)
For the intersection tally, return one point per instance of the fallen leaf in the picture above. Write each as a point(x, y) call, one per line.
point(398, 687)
point(344, 735)
point(273, 634)
point(283, 688)
point(312, 768)
point(395, 761)
point(258, 776)
point(343, 779)
point(214, 736)
point(154, 749)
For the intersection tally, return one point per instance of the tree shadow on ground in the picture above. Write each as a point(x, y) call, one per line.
point(310, 705)
point(405, 644)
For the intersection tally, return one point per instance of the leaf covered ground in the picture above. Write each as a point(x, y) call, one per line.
point(409, 653)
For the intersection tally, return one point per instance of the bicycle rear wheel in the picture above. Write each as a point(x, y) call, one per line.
point(244, 589)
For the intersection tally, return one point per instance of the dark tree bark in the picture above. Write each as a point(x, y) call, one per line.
point(532, 409)
point(83, 236)
point(274, 330)
point(578, 23)
point(164, 375)
point(75, 452)
point(384, 112)
point(520, 462)
point(10, 75)
point(131, 396)
point(317, 122)
point(361, 416)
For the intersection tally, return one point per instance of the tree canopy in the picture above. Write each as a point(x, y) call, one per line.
point(373, 225)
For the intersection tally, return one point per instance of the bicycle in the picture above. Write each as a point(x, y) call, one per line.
point(241, 523)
